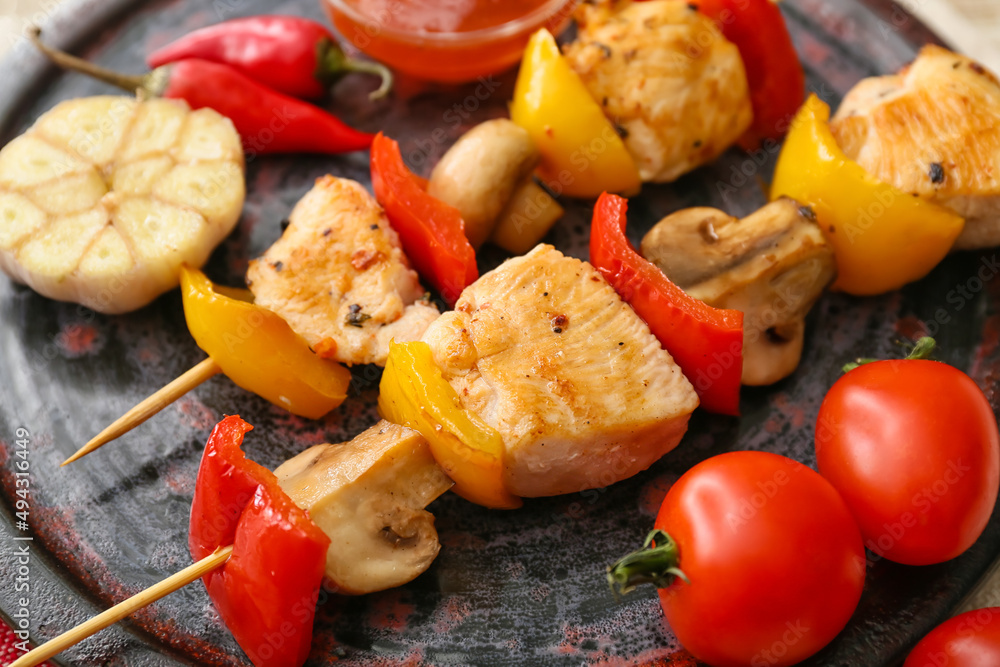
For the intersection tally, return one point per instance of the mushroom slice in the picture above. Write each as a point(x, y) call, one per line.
point(772, 265)
point(369, 496)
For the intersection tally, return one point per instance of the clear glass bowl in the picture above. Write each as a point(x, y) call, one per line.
point(446, 56)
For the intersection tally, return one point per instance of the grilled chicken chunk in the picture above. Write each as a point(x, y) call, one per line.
point(932, 130)
point(665, 74)
point(772, 265)
point(339, 277)
point(369, 496)
point(544, 350)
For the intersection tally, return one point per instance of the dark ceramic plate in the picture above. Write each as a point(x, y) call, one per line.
point(524, 587)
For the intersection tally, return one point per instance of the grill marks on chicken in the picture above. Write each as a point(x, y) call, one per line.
point(545, 351)
point(339, 277)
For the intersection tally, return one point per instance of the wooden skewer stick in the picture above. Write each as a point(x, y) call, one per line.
point(40, 654)
point(150, 406)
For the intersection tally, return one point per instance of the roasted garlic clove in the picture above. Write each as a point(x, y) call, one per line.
point(772, 265)
point(369, 496)
point(103, 198)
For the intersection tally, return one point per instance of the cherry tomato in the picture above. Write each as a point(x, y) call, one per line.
point(774, 560)
point(971, 639)
point(912, 446)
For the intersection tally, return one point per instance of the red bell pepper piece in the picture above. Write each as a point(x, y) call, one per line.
point(706, 342)
point(432, 232)
point(268, 121)
point(774, 73)
point(293, 55)
point(266, 592)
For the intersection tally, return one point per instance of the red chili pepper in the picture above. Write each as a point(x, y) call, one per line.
point(774, 73)
point(706, 342)
point(266, 592)
point(268, 121)
point(432, 232)
point(291, 54)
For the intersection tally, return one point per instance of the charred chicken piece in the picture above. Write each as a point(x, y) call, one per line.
point(547, 353)
point(772, 265)
point(667, 77)
point(369, 496)
point(339, 277)
point(932, 130)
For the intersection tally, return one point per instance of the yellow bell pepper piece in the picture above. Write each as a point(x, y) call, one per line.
point(257, 349)
point(414, 393)
point(582, 155)
point(882, 237)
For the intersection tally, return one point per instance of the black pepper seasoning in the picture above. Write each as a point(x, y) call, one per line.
point(936, 173)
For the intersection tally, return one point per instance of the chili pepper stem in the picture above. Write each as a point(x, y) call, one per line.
point(334, 63)
point(656, 565)
point(922, 349)
point(124, 608)
point(151, 84)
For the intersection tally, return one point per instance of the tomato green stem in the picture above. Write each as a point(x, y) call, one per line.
point(922, 349)
point(656, 563)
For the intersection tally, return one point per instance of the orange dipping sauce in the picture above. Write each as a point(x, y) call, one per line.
point(446, 40)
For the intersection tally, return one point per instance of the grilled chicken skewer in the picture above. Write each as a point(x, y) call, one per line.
point(545, 351)
point(337, 275)
point(369, 495)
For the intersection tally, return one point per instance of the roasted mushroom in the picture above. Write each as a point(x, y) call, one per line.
point(772, 265)
point(488, 168)
point(369, 496)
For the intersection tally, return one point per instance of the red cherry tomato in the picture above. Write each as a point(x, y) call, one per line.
point(971, 639)
point(774, 560)
point(912, 446)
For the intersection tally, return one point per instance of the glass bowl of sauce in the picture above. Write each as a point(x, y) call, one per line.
point(446, 40)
